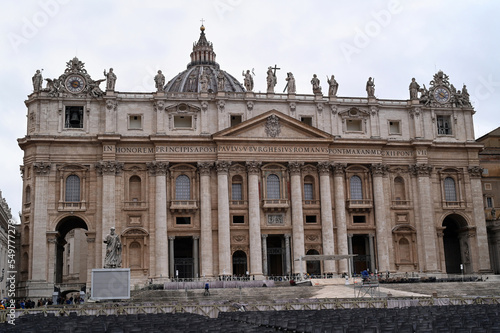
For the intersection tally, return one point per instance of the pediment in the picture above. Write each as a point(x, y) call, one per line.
point(274, 126)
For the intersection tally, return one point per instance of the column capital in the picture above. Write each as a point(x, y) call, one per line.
point(253, 167)
point(41, 168)
point(205, 167)
point(295, 167)
point(338, 169)
point(264, 236)
point(475, 171)
point(171, 238)
point(196, 237)
point(109, 167)
point(324, 168)
point(421, 169)
point(222, 166)
point(287, 235)
point(379, 169)
point(157, 168)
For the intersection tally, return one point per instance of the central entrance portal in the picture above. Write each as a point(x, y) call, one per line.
point(183, 257)
point(275, 255)
point(360, 247)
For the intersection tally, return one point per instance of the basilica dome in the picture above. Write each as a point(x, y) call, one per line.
point(203, 74)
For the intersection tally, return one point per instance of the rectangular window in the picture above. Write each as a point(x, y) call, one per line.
point(307, 120)
point(183, 220)
point(444, 125)
point(311, 219)
point(308, 192)
point(359, 219)
point(238, 219)
point(135, 122)
point(235, 120)
point(236, 193)
point(73, 117)
point(183, 122)
point(354, 125)
point(489, 202)
point(394, 127)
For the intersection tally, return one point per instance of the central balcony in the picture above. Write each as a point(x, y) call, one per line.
point(272, 205)
point(183, 205)
point(359, 204)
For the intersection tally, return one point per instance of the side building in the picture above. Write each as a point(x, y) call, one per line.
point(9, 260)
point(490, 162)
point(207, 178)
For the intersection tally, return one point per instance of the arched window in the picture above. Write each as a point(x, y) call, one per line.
point(356, 188)
point(236, 188)
point(72, 188)
point(273, 187)
point(399, 189)
point(182, 188)
point(308, 188)
point(134, 188)
point(450, 193)
point(135, 255)
point(27, 195)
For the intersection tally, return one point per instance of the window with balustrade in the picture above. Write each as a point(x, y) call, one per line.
point(273, 187)
point(356, 188)
point(72, 193)
point(182, 188)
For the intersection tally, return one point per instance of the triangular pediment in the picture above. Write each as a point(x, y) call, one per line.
point(273, 126)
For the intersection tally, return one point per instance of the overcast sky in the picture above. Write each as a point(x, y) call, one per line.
point(391, 41)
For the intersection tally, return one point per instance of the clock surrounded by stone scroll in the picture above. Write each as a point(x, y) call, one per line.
point(442, 94)
point(75, 83)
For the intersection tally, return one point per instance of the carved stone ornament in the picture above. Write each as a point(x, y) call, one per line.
point(293, 106)
point(312, 237)
point(379, 169)
point(221, 105)
point(274, 219)
point(334, 109)
point(111, 104)
point(421, 169)
point(273, 127)
point(373, 111)
point(253, 167)
point(338, 169)
point(222, 166)
point(239, 238)
point(475, 171)
point(324, 168)
point(249, 105)
point(41, 168)
point(205, 167)
point(415, 112)
point(21, 169)
point(295, 167)
point(109, 167)
point(159, 106)
point(204, 105)
point(157, 168)
point(320, 106)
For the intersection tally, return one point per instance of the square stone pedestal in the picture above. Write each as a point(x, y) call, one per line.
point(110, 283)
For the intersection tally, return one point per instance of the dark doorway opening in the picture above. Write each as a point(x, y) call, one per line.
point(183, 257)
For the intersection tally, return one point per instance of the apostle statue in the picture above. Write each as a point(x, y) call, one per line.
point(290, 83)
point(37, 81)
point(333, 86)
point(248, 80)
point(414, 89)
point(315, 85)
point(370, 87)
point(221, 81)
point(113, 257)
point(159, 81)
point(271, 80)
point(110, 79)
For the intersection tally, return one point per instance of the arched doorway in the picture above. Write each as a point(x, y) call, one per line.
point(313, 267)
point(71, 255)
point(456, 246)
point(239, 263)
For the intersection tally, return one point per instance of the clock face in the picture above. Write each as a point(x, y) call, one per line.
point(441, 94)
point(75, 83)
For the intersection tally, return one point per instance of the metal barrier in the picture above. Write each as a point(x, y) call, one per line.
point(212, 310)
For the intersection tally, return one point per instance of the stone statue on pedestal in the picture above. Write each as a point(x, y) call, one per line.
point(315, 85)
point(113, 257)
point(271, 79)
point(414, 89)
point(111, 79)
point(333, 86)
point(370, 87)
point(248, 80)
point(290, 84)
point(159, 81)
point(37, 81)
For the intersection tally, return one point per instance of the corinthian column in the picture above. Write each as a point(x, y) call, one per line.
point(207, 259)
point(108, 170)
point(326, 216)
point(479, 220)
point(340, 218)
point(255, 239)
point(427, 227)
point(223, 210)
point(40, 217)
point(378, 171)
point(297, 215)
point(159, 169)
